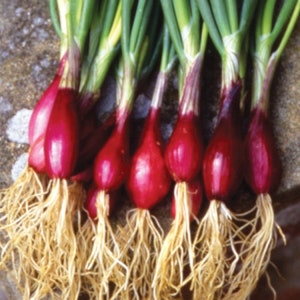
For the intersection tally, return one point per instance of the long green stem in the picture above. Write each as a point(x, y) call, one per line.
point(70, 77)
point(231, 7)
point(166, 64)
point(189, 25)
point(197, 23)
point(268, 16)
point(246, 16)
point(65, 24)
point(54, 17)
point(221, 17)
point(87, 9)
point(265, 56)
point(97, 29)
point(135, 47)
point(203, 42)
point(183, 20)
point(139, 28)
point(111, 15)
point(228, 23)
point(259, 19)
point(188, 30)
point(232, 59)
point(167, 53)
point(283, 17)
point(108, 41)
point(209, 19)
point(171, 21)
point(182, 13)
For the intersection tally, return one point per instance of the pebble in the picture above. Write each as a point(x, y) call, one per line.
point(166, 131)
point(141, 107)
point(19, 11)
point(37, 21)
point(19, 166)
point(17, 126)
point(5, 105)
point(108, 95)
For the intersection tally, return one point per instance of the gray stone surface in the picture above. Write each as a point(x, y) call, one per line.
point(17, 126)
point(29, 51)
point(5, 105)
point(19, 166)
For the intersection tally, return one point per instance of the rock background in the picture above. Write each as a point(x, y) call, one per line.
point(29, 51)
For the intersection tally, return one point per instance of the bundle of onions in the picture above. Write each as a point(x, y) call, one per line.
point(42, 243)
point(147, 184)
point(184, 150)
point(262, 161)
point(106, 274)
point(219, 235)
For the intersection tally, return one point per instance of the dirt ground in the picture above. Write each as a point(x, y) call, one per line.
point(29, 51)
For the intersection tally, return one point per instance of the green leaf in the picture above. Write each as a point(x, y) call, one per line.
point(54, 17)
point(283, 17)
point(231, 8)
point(213, 30)
point(221, 17)
point(171, 21)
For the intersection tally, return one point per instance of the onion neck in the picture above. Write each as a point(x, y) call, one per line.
point(230, 101)
point(231, 59)
point(264, 69)
point(122, 120)
point(159, 90)
point(126, 86)
point(189, 101)
point(71, 72)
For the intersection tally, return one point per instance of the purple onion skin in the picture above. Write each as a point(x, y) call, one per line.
point(184, 150)
point(148, 181)
point(223, 165)
point(88, 125)
point(36, 159)
point(90, 202)
point(40, 116)
point(262, 163)
point(88, 115)
point(85, 175)
point(112, 162)
point(61, 139)
point(195, 190)
point(90, 146)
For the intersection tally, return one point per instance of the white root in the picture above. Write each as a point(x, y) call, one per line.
point(255, 251)
point(177, 250)
point(43, 249)
point(141, 241)
point(216, 245)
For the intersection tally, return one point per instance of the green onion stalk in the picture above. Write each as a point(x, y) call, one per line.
point(72, 21)
point(147, 184)
point(184, 150)
point(104, 45)
point(272, 30)
point(106, 271)
point(220, 231)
